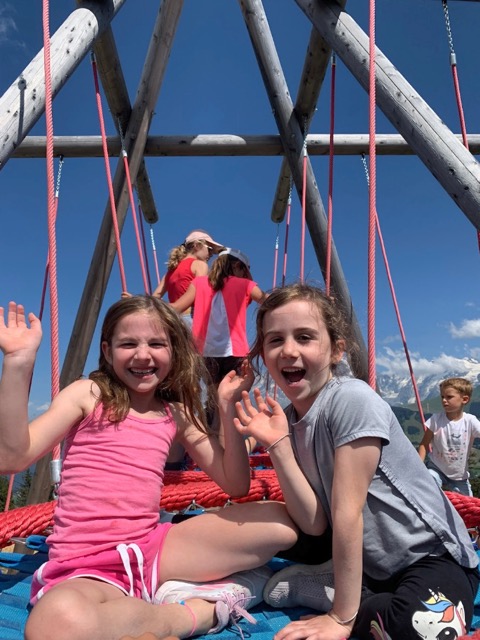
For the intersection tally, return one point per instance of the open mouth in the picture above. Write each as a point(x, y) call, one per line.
point(293, 374)
point(142, 373)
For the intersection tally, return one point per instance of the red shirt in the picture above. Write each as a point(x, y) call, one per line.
point(177, 280)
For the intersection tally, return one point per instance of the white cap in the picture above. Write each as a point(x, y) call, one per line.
point(236, 253)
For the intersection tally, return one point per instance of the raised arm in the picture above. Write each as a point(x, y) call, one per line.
point(185, 301)
point(268, 424)
point(21, 442)
point(19, 344)
point(227, 465)
point(161, 289)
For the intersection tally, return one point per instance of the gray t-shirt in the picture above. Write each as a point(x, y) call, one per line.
point(406, 516)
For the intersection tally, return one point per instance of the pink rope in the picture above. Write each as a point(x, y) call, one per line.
point(456, 85)
point(51, 207)
point(328, 267)
point(9, 492)
point(113, 207)
point(287, 230)
point(304, 209)
point(372, 206)
point(135, 221)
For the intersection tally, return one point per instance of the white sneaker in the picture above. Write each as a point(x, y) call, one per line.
point(233, 595)
point(302, 585)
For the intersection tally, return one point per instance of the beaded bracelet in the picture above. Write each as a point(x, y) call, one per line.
point(286, 435)
point(334, 617)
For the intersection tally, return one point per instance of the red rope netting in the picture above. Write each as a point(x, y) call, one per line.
point(182, 489)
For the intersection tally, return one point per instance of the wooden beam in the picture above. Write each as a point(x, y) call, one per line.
point(116, 93)
point(314, 69)
point(23, 102)
point(105, 248)
point(135, 138)
point(344, 144)
point(439, 149)
point(292, 137)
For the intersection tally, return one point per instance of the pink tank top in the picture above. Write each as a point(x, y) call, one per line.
point(111, 483)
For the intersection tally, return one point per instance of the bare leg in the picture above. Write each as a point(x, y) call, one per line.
point(214, 545)
point(85, 609)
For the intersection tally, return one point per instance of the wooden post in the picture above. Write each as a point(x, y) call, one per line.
point(439, 149)
point(292, 137)
point(105, 249)
point(23, 102)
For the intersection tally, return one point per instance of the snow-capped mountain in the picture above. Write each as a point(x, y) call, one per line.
point(398, 391)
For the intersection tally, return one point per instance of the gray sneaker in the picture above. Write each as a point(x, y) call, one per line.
point(302, 585)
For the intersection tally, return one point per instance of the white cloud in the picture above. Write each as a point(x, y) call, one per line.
point(395, 363)
point(8, 27)
point(468, 329)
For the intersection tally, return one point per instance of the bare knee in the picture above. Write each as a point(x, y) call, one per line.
point(283, 531)
point(63, 616)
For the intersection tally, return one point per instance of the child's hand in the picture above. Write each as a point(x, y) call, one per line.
point(15, 335)
point(266, 422)
point(233, 384)
point(314, 626)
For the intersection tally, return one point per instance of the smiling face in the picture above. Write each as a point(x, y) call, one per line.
point(139, 352)
point(298, 352)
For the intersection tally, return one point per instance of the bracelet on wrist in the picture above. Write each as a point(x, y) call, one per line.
point(286, 435)
point(334, 617)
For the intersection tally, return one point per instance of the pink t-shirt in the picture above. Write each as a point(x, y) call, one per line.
point(111, 483)
point(220, 317)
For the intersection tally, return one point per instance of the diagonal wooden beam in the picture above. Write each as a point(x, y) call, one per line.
point(439, 149)
point(292, 137)
point(135, 138)
point(116, 93)
point(313, 73)
point(105, 249)
point(23, 103)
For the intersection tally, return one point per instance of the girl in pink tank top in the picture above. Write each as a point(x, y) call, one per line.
point(110, 560)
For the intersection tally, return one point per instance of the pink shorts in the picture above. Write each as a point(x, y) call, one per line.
point(133, 568)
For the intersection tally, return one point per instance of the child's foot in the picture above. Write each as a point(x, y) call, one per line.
point(232, 595)
point(302, 585)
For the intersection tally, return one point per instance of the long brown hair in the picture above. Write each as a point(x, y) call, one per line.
point(221, 269)
point(183, 381)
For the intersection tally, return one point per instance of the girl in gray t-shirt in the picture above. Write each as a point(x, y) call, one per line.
point(403, 564)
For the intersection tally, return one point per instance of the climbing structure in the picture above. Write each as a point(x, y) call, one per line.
point(332, 29)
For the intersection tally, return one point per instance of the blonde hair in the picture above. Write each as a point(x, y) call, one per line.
point(463, 386)
point(183, 381)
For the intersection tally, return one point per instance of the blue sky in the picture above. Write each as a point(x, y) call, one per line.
point(213, 85)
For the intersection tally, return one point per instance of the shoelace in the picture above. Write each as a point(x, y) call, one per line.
point(234, 602)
